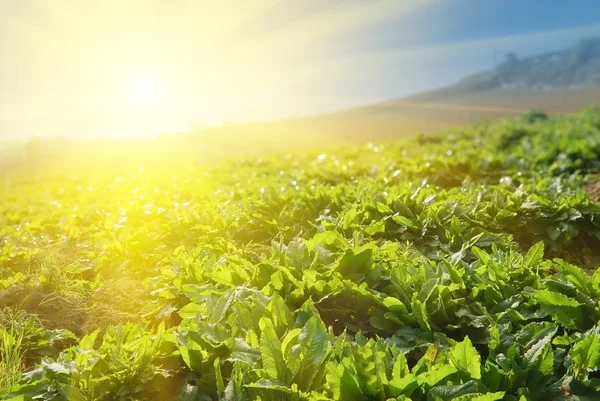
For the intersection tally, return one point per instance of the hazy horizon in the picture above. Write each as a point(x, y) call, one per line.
point(84, 70)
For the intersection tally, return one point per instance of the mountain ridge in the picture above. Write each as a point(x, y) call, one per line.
point(576, 67)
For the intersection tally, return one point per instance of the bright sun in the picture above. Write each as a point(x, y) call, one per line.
point(144, 92)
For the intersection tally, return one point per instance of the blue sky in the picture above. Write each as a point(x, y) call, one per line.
point(443, 41)
point(443, 21)
point(128, 69)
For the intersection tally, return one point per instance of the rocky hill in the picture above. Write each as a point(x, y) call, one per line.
point(577, 67)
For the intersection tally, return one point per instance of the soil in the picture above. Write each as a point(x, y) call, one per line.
point(55, 311)
point(593, 191)
point(115, 301)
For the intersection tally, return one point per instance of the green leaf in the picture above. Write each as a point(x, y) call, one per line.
point(420, 314)
point(535, 255)
point(72, 393)
point(219, 376)
point(567, 316)
point(540, 356)
point(384, 209)
point(344, 382)
point(192, 311)
point(357, 260)
point(88, 341)
point(480, 254)
point(400, 368)
point(493, 377)
point(220, 309)
point(403, 385)
point(586, 353)
point(313, 341)
point(452, 392)
point(193, 357)
point(576, 276)
point(235, 388)
point(349, 219)
point(270, 350)
point(531, 333)
point(241, 351)
point(465, 358)
point(280, 314)
point(547, 297)
point(290, 339)
point(375, 227)
point(436, 374)
point(395, 305)
point(274, 385)
point(481, 397)
point(404, 221)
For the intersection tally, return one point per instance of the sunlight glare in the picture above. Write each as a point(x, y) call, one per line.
point(144, 92)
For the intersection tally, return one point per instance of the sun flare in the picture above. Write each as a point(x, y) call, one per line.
point(144, 92)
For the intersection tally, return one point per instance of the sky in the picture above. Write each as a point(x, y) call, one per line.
point(126, 69)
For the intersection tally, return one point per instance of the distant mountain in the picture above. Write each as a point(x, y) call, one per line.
point(577, 67)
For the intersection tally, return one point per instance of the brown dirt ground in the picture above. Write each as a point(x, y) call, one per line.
point(55, 311)
point(116, 301)
point(583, 251)
point(593, 191)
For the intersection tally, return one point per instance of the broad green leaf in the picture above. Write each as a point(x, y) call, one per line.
point(404, 221)
point(577, 276)
point(273, 385)
point(357, 260)
point(375, 228)
point(72, 393)
point(280, 315)
point(270, 350)
point(546, 297)
point(384, 209)
point(568, 316)
point(220, 309)
point(535, 255)
point(88, 341)
point(465, 358)
point(400, 368)
point(540, 356)
point(219, 376)
point(290, 339)
point(349, 219)
point(436, 374)
point(531, 333)
point(586, 353)
point(313, 341)
point(481, 397)
point(192, 311)
point(193, 357)
point(344, 382)
point(493, 377)
point(395, 305)
point(241, 351)
point(235, 388)
point(403, 385)
point(420, 314)
point(452, 392)
point(480, 254)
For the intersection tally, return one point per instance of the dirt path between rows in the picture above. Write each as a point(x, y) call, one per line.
point(115, 301)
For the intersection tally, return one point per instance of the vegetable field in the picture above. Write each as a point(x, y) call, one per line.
point(457, 266)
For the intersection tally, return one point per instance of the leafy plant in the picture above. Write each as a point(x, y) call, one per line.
point(456, 266)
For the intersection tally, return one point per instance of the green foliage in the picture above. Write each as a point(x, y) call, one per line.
point(11, 357)
point(456, 267)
